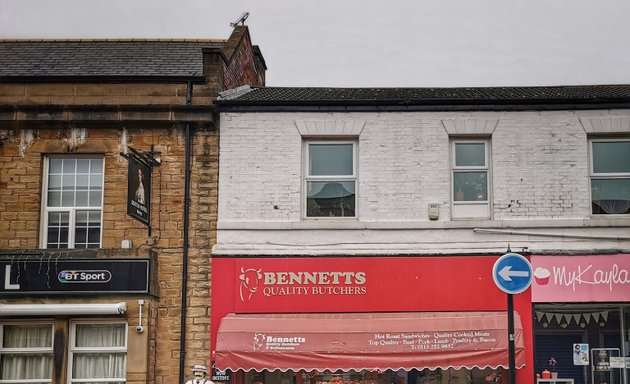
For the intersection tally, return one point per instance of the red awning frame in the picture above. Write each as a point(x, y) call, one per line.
point(357, 341)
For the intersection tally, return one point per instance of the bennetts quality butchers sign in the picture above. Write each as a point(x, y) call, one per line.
point(49, 276)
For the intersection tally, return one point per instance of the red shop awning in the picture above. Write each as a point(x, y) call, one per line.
point(366, 341)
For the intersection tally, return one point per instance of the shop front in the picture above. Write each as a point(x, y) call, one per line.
point(364, 320)
point(73, 320)
point(582, 317)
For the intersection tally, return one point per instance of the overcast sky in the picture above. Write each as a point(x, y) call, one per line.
point(369, 43)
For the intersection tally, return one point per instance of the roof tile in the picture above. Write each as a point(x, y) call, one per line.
point(43, 58)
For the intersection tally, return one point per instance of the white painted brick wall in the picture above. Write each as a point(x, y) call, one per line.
point(539, 165)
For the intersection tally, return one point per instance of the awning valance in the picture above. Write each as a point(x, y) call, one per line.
point(355, 341)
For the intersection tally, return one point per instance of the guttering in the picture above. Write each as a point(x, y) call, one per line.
point(386, 106)
point(62, 309)
point(188, 155)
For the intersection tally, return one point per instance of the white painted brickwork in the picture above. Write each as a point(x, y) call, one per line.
point(539, 168)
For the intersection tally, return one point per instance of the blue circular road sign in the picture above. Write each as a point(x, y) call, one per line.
point(512, 273)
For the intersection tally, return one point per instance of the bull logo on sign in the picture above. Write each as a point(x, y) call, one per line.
point(250, 279)
point(259, 341)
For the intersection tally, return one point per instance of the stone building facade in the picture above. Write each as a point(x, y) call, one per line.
point(73, 116)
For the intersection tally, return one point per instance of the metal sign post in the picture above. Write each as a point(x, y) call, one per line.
point(513, 274)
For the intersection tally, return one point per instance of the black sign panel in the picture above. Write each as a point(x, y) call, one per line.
point(139, 191)
point(222, 376)
point(50, 276)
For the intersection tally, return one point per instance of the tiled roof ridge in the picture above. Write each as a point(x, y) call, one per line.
point(118, 40)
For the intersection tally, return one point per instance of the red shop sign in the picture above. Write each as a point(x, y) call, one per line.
point(354, 284)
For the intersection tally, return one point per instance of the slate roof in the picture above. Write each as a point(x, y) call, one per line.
point(296, 96)
point(102, 58)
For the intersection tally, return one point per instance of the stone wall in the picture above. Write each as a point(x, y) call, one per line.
point(21, 159)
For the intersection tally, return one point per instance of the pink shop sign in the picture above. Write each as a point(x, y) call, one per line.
point(592, 278)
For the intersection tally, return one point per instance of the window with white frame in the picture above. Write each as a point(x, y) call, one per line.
point(470, 178)
point(26, 352)
point(98, 352)
point(330, 179)
point(610, 177)
point(73, 202)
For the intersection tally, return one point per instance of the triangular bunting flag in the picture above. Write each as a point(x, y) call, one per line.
point(605, 315)
point(539, 316)
point(576, 318)
point(587, 317)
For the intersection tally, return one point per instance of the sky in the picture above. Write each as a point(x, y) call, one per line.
point(370, 43)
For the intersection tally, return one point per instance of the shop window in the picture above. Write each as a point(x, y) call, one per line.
point(330, 179)
point(26, 353)
point(73, 202)
point(610, 177)
point(470, 179)
point(98, 351)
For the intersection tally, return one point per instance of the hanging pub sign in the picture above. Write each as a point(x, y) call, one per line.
point(139, 191)
point(50, 275)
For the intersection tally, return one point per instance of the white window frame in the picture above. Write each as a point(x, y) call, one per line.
point(72, 350)
point(595, 176)
point(38, 350)
point(70, 210)
point(471, 209)
point(307, 178)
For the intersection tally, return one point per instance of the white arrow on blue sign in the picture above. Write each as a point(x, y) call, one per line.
point(512, 273)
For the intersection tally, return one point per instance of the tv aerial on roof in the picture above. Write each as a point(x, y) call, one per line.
point(240, 20)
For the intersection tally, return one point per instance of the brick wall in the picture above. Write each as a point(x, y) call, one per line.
point(241, 68)
point(539, 170)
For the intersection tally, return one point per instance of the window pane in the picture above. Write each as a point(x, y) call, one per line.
point(95, 199)
point(54, 182)
point(27, 336)
point(82, 182)
point(100, 335)
point(55, 165)
point(611, 157)
point(17, 362)
point(336, 199)
point(58, 230)
point(83, 165)
point(470, 186)
point(54, 199)
point(96, 181)
point(26, 366)
point(94, 235)
point(330, 159)
point(80, 236)
point(611, 196)
point(470, 154)
point(82, 199)
point(67, 199)
point(68, 182)
point(96, 166)
point(98, 365)
point(69, 165)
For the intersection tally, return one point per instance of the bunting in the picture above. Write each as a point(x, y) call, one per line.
point(565, 319)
